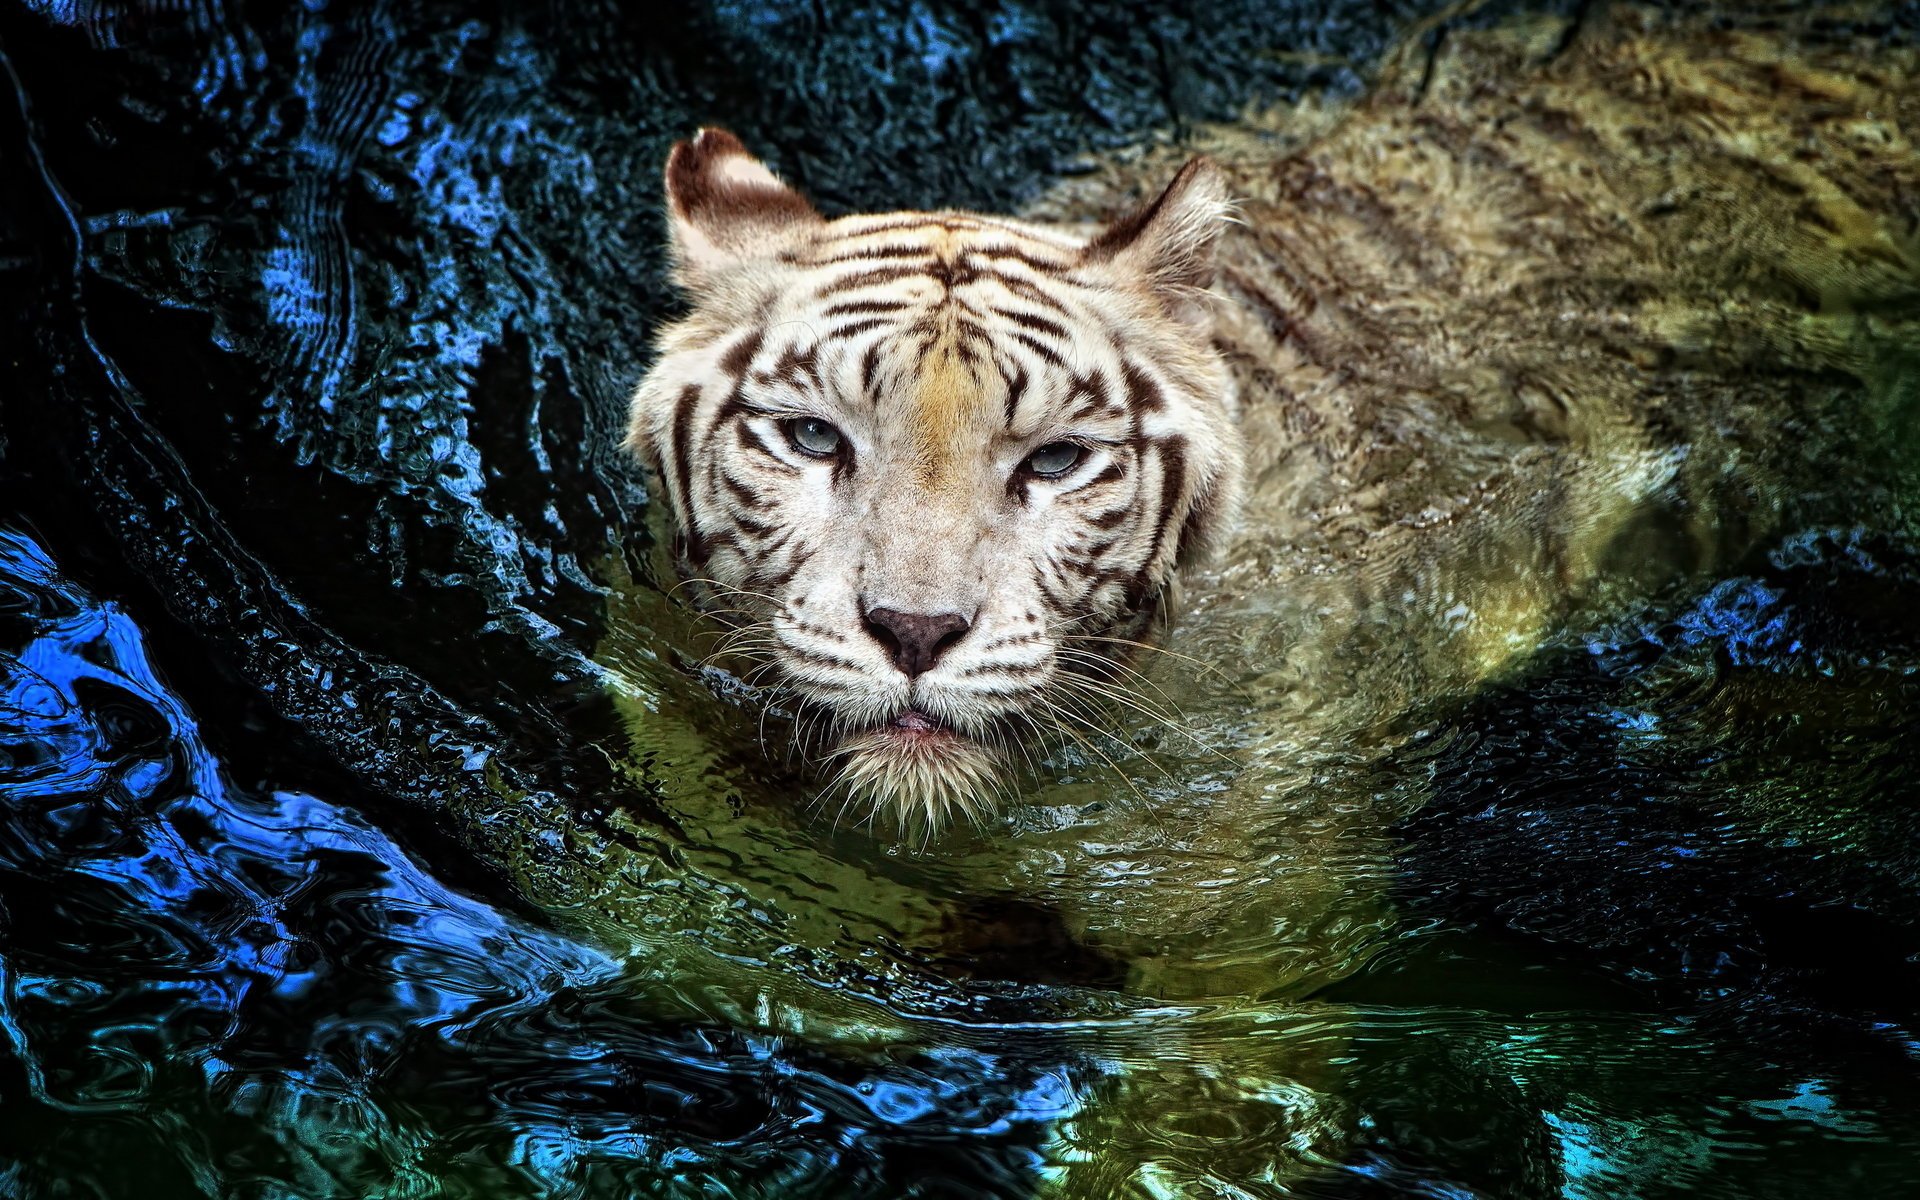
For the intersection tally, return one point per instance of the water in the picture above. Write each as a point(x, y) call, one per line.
point(365, 828)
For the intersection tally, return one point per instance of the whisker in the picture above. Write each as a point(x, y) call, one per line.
point(726, 589)
point(1130, 643)
point(1091, 748)
point(1141, 707)
point(1075, 654)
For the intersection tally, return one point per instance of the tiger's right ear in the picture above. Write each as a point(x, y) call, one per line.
point(726, 209)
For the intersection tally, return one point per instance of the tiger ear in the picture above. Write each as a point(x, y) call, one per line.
point(1170, 242)
point(726, 209)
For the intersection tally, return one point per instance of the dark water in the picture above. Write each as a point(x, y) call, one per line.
point(321, 321)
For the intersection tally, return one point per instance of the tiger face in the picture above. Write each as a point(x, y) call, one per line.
point(938, 469)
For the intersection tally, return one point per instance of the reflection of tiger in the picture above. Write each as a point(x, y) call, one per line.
point(947, 463)
point(1523, 325)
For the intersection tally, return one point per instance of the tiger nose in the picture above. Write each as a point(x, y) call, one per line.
point(916, 640)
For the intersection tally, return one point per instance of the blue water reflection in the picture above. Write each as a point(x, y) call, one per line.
point(181, 951)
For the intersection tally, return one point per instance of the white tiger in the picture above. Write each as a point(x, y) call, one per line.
point(1572, 314)
point(946, 465)
point(1504, 355)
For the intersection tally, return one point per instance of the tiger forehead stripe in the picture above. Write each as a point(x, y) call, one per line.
point(906, 239)
point(949, 399)
point(944, 250)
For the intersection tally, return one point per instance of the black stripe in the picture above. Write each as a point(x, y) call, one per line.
point(816, 659)
point(1197, 512)
point(860, 279)
point(1142, 391)
point(739, 356)
point(732, 406)
point(1111, 517)
point(1031, 293)
point(1016, 388)
point(918, 221)
point(998, 253)
point(867, 252)
point(1173, 477)
point(951, 274)
point(748, 498)
point(820, 631)
point(1005, 691)
point(692, 547)
point(1089, 396)
point(785, 576)
point(864, 307)
point(1086, 568)
point(1041, 325)
point(798, 365)
point(680, 449)
point(1047, 353)
point(855, 328)
point(773, 548)
point(751, 439)
point(1055, 604)
point(869, 372)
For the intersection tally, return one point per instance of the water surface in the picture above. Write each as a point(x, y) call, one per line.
point(365, 830)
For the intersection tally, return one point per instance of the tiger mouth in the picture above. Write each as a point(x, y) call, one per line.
point(915, 770)
point(913, 726)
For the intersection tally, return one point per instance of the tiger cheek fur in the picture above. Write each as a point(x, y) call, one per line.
point(937, 469)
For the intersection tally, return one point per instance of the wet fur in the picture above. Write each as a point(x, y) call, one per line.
point(1559, 317)
point(1555, 316)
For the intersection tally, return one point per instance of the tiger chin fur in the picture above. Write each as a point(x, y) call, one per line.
point(939, 470)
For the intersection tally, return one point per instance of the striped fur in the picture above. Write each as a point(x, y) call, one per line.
point(945, 348)
point(1558, 317)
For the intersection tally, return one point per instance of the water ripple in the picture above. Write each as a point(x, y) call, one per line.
point(179, 949)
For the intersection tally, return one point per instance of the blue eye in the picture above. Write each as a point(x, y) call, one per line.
point(1054, 459)
point(812, 436)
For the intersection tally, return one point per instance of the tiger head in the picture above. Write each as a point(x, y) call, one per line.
point(938, 468)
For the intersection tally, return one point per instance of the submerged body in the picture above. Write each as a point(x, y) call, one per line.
point(1485, 357)
point(1512, 356)
point(1535, 334)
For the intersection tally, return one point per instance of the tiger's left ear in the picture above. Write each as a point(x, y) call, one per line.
point(1170, 242)
point(726, 209)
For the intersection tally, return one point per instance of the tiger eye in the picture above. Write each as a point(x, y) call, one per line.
point(814, 437)
point(1054, 459)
